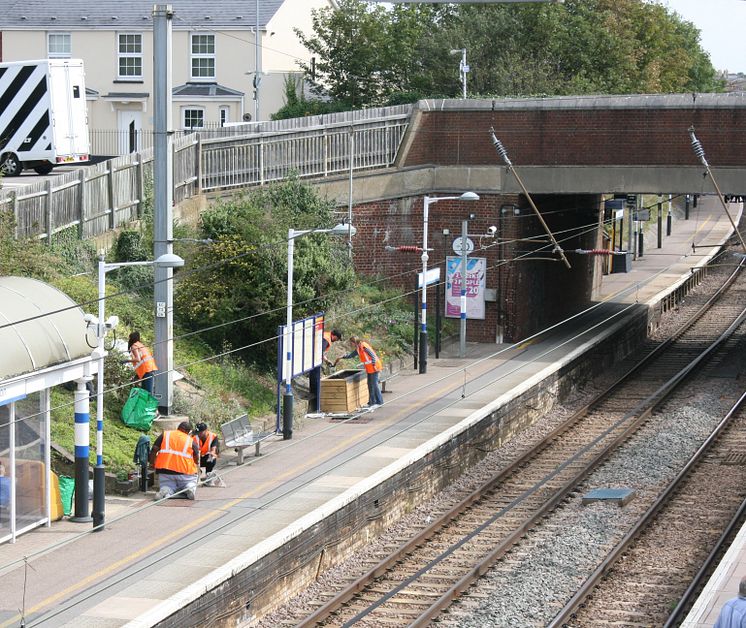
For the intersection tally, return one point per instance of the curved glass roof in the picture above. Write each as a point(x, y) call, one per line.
point(42, 341)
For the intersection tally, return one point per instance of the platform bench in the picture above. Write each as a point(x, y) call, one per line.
point(238, 434)
point(384, 379)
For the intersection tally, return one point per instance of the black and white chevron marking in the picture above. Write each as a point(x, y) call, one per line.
point(24, 109)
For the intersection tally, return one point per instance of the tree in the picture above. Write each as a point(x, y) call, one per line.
point(239, 287)
point(365, 55)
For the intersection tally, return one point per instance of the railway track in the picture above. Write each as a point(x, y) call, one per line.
point(645, 575)
point(424, 575)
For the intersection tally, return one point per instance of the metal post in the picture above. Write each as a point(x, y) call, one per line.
point(13, 471)
point(257, 63)
point(498, 295)
point(660, 220)
point(640, 234)
point(82, 446)
point(287, 398)
point(640, 241)
point(416, 328)
point(99, 476)
point(163, 218)
point(423, 327)
point(46, 415)
point(349, 204)
point(668, 218)
point(686, 206)
point(464, 70)
point(438, 319)
point(464, 252)
point(630, 236)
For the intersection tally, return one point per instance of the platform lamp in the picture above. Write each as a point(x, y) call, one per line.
point(102, 327)
point(427, 201)
point(343, 230)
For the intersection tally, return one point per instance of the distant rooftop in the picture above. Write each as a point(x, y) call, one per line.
point(134, 14)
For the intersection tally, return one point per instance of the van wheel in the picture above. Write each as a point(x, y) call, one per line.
point(43, 169)
point(10, 166)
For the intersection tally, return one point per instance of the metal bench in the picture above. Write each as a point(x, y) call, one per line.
point(383, 379)
point(238, 434)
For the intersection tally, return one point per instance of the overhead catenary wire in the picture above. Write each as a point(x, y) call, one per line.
point(416, 391)
point(526, 257)
point(408, 393)
point(260, 342)
point(700, 153)
point(181, 275)
point(504, 155)
point(350, 313)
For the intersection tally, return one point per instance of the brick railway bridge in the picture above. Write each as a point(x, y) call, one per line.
point(569, 153)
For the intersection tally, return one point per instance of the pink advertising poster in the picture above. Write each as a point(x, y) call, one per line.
point(476, 270)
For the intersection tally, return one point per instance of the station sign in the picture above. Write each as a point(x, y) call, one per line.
point(431, 276)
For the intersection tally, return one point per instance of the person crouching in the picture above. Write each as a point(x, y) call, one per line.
point(207, 442)
point(175, 457)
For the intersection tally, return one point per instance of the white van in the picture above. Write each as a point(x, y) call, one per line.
point(43, 116)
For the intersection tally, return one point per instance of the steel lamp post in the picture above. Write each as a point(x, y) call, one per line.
point(344, 230)
point(428, 200)
point(167, 260)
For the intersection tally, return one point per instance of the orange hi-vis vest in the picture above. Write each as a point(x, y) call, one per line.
point(175, 453)
point(142, 359)
point(204, 448)
point(371, 364)
point(328, 338)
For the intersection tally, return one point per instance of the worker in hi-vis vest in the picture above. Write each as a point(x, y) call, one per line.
point(142, 361)
point(314, 375)
point(175, 457)
point(373, 365)
point(326, 342)
point(207, 442)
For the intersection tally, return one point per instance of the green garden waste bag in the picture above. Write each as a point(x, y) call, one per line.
point(140, 409)
point(67, 488)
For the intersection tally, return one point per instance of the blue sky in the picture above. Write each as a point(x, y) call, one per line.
point(719, 22)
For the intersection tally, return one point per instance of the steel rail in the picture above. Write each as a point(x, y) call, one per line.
point(644, 409)
point(651, 513)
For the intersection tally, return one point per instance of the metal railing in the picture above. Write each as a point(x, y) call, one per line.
point(110, 194)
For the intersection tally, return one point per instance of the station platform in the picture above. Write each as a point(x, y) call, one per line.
point(153, 559)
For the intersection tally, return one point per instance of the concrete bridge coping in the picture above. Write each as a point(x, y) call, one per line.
point(728, 100)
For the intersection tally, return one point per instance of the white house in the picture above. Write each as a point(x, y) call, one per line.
point(215, 56)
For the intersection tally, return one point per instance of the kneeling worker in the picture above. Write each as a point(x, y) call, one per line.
point(207, 442)
point(175, 457)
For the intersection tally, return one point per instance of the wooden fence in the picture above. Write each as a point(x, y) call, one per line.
point(110, 194)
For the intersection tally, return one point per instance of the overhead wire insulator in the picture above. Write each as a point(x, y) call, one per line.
point(595, 252)
point(697, 147)
point(500, 148)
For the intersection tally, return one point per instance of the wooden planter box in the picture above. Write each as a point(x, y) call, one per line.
point(344, 391)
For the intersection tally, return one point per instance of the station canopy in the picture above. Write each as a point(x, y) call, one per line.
point(48, 336)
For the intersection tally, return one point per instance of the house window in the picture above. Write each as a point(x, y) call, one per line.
point(58, 45)
point(130, 56)
point(224, 115)
point(194, 118)
point(203, 57)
